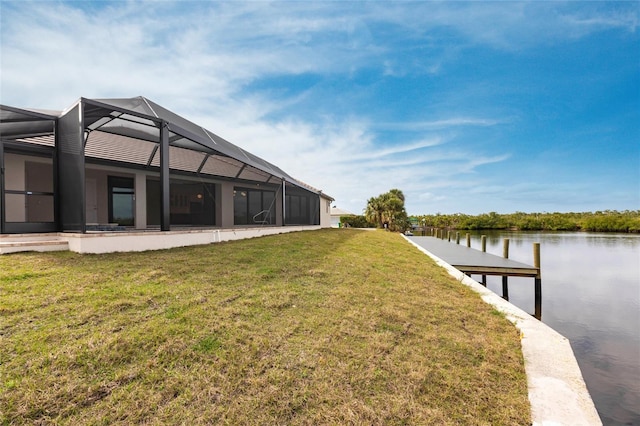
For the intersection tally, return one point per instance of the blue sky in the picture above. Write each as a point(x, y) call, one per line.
point(466, 107)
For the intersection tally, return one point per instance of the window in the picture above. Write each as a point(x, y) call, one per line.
point(190, 203)
point(121, 200)
point(253, 206)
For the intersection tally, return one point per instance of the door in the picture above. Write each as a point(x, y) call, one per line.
point(121, 201)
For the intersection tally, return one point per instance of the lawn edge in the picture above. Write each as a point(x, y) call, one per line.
point(557, 391)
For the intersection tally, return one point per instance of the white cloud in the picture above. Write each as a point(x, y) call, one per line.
point(430, 197)
point(213, 49)
point(199, 58)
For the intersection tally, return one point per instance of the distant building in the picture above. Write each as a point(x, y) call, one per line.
point(335, 216)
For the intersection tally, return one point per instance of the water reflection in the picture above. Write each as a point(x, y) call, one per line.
point(590, 294)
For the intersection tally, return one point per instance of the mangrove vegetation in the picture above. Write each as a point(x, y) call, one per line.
point(600, 221)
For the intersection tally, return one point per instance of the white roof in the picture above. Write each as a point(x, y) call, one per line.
point(340, 212)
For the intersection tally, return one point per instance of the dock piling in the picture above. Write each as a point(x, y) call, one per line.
point(479, 262)
point(468, 239)
point(484, 250)
point(505, 279)
point(538, 281)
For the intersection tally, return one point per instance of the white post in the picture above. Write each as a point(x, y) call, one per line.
point(141, 200)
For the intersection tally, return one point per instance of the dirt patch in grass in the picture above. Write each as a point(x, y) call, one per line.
point(322, 327)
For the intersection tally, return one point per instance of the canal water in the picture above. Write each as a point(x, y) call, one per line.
point(591, 295)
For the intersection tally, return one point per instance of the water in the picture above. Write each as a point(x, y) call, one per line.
point(591, 295)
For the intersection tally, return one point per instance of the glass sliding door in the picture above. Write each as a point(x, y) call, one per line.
point(190, 203)
point(121, 201)
point(253, 207)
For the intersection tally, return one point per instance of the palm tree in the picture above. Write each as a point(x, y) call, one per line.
point(397, 193)
point(387, 208)
point(374, 211)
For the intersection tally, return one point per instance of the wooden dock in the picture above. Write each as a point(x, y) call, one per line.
point(471, 261)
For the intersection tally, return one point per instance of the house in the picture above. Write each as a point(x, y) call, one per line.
point(336, 213)
point(131, 168)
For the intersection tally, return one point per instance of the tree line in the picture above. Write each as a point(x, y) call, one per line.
point(600, 221)
point(387, 211)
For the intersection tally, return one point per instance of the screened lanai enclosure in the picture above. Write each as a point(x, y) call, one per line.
point(130, 164)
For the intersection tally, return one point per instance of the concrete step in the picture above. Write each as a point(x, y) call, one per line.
point(44, 236)
point(40, 246)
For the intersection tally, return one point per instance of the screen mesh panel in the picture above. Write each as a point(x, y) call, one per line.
point(71, 171)
point(185, 159)
point(118, 148)
point(221, 166)
point(250, 173)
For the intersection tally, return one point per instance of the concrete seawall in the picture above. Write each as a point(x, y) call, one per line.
point(110, 242)
point(557, 392)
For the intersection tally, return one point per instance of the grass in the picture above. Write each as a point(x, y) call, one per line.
point(322, 327)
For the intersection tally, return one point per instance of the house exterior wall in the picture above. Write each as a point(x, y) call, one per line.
point(325, 212)
point(223, 202)
point(96, 178)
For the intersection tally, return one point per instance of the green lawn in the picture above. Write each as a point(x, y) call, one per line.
point(322, 327)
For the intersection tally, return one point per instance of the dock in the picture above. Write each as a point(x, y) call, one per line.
point(471, 261)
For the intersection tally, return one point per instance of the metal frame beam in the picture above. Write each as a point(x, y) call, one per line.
point(204, 161)
point(165, 207)
point(284, 202)
point(35, 114)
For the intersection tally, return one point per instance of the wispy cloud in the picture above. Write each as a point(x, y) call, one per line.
point(627, 17)
point(440, 124)
point(382, 151)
